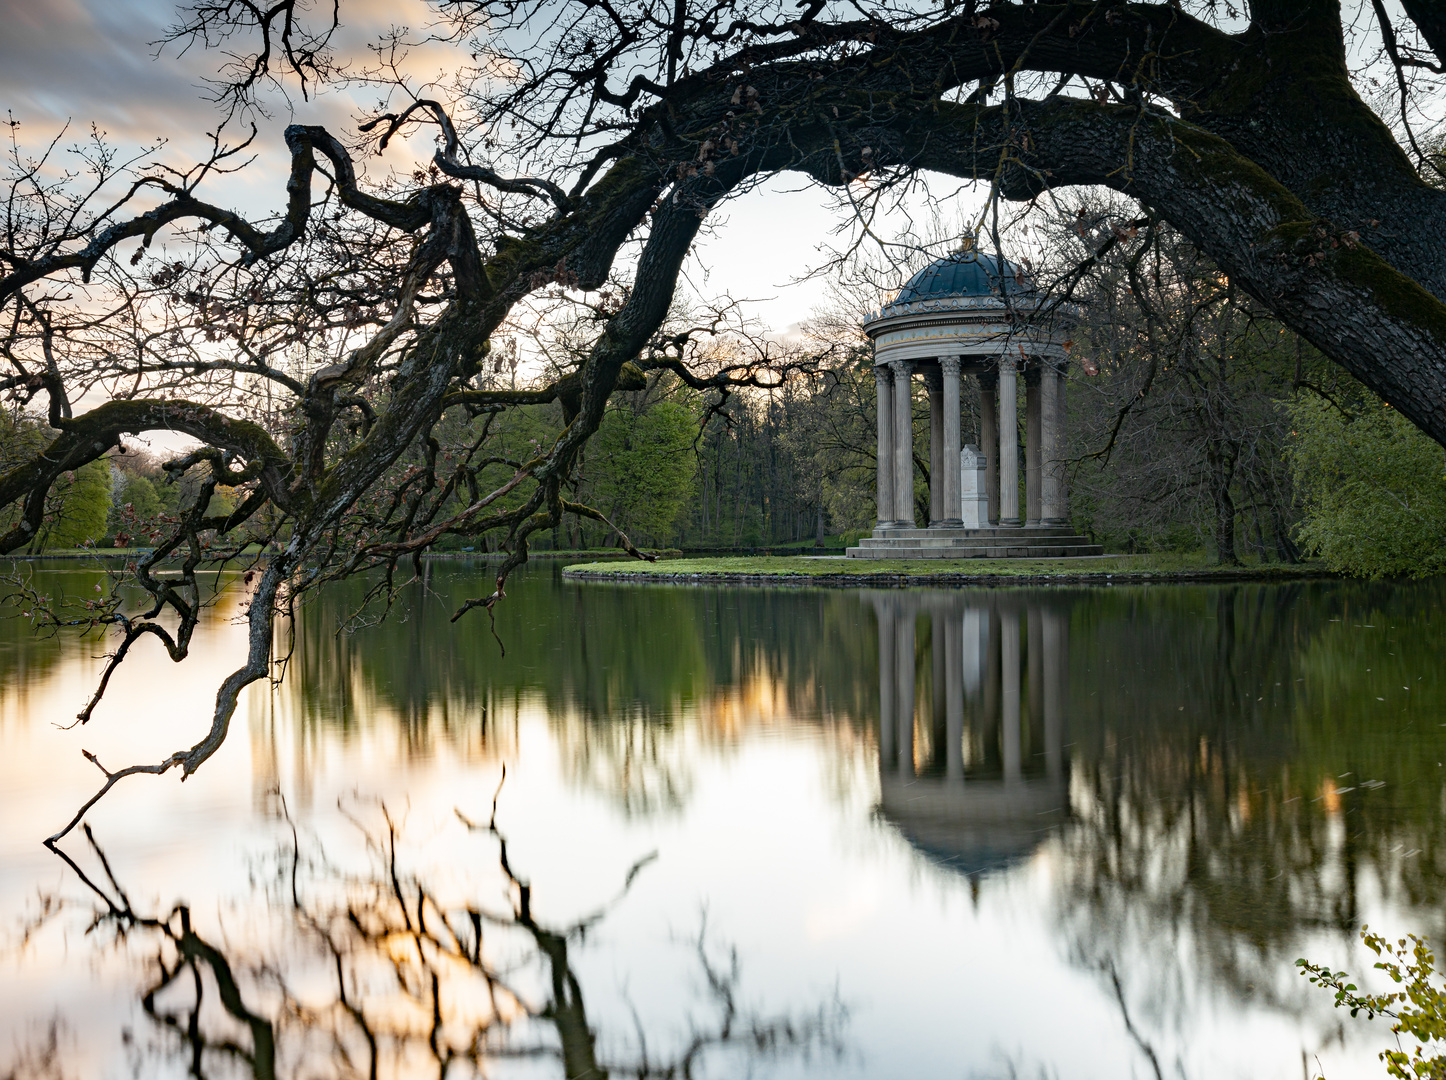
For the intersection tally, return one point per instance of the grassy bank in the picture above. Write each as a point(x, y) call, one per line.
point(131, 553)
point(532, 556)
point(79, 553)
point(783, 570)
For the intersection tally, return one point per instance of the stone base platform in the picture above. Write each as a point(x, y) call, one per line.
point(1018, 542)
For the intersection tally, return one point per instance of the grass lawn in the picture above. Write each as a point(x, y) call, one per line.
point(80, 553)
point(252, 549)
point(1190, 565)
point(581, 553)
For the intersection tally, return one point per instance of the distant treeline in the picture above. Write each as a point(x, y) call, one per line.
point(122, 500)
point(1203, 424)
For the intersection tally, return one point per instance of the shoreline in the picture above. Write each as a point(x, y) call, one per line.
point(1048, 572)
point(460, 556)
point(812, 571)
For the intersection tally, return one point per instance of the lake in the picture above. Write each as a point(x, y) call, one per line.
point(691, 831)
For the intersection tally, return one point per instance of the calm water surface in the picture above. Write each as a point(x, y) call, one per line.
point(1072, 833)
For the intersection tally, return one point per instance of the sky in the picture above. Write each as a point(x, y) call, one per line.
point(80, 62)
point(83, 62)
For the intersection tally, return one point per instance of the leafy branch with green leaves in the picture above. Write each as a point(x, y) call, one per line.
point(1418, 1007)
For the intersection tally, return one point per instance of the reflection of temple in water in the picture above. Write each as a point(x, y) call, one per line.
point(977, 778)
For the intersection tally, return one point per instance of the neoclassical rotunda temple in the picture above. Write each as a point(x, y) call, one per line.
point(968, 314)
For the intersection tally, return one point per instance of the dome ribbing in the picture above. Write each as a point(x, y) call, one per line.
point(964, 273)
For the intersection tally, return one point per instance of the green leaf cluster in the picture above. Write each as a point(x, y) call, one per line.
point(83, 506)
point(642, 467)
point(140, 493)
point(1418, 1008)
point(1373, 489)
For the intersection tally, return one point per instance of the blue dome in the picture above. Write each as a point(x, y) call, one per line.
point(964, 273)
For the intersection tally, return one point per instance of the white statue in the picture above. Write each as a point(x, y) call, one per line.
point(973, 494)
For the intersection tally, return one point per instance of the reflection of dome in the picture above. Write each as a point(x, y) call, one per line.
point(964, 273)
point(976, 826)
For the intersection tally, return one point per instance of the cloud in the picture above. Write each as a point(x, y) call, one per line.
point(78, 62)
point(84, 61)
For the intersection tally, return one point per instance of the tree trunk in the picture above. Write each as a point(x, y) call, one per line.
point(1222, 473)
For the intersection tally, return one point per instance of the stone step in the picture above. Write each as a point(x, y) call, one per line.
point(976, 534)
point(968, 541)
point(1001, 541)
point(991, 551)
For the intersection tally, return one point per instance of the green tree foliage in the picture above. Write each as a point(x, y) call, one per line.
point(146, 498)
point(1374, 489)
point(222, 502)
point(81, 506)
point(140, 493)
point(1418, 1007)
point(20, 437)
point(137, 504)
point(78, 504)
point(642, 467)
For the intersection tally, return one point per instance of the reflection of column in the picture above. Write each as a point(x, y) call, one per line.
point(884, 610)
point(990, 726)
point(1056, 675)
point(989, 439)
point(1054, 507)
point(1032, 446)
point(1035, 666)
point(1009, 684)
point(1008, 443)
point(935, 384)
point(903, 444)
point(884, 385)
point(953, 692)
point(938, 692)
point(904, 687)
point(974, 634)
point(953, 510)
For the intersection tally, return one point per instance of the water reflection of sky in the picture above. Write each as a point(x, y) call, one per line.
point(1171, 788)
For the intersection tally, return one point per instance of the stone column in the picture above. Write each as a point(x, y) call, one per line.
point(904, 687)
point(1008, 443)
point(903, 444)
point(1032, 446)
point(989, 439)
point(949, 366)
point(953, 691)
point(934, 382)
point(884, 385)
point(1054, 504)
point(1009, 741)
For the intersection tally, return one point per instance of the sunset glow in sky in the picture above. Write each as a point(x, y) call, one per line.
point(83, 62)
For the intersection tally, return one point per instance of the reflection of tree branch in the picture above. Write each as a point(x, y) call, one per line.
point(1145, 1048)
point(566, 1010)
point(192, 953)
point(40, 1060)
point(411, 976)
